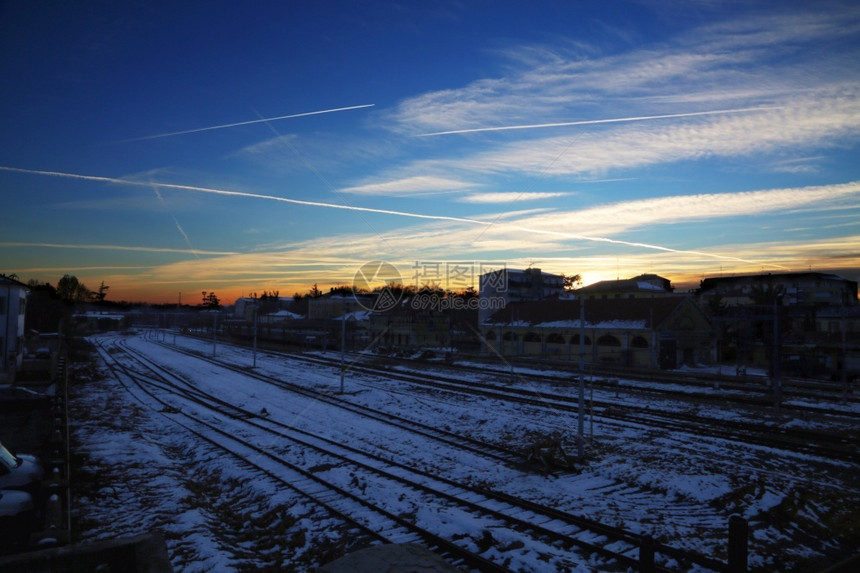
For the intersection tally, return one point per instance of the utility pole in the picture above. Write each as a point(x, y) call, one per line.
point(844, 373)
point(580, 444)
point(342, 345)
point(255, 336)
point(214, 331)
point(777, 390)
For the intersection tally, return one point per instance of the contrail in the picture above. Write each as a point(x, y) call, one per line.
point(226, 125)
point(175, 221)
point(597, 121)
point(113, 247)
point(228, 193)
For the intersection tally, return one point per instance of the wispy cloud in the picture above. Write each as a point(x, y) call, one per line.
point(596, 121)
point(509, 226)
point(627, 216)
point(410, 186)
point(738, 89)
point(737, 63)
point(509, 197)
point(820, 121)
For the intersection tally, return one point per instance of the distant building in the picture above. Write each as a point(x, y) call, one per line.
point(408, 326)
point(245, 306)
point(807, 288)
point(643, 286)
point(514, 285)
point(331, 305)
point(663, 332)
point(13, 305)
point(799, 324)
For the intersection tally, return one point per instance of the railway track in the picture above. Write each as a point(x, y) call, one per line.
point(612, 547)
point(747, 390)
point(837, 446)
point(362, 517)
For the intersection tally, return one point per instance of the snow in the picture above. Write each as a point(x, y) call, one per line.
point(605, 324)
point(642, 285)
point(154, 474)
point(284, 314)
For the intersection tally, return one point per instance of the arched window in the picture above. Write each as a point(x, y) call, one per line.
point(575, 340)
point(608, 340)
point(532, 337)
point(639, 342)
point(555, 338)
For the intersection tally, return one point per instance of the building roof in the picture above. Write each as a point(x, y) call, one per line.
point(517, 272)
point(644, 283)
point(615, 313)
point(13, 282)
point(711, 282)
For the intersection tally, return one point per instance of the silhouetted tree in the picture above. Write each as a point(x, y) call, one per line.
point(571, 282)
point(210, 301)
point(45, 311)
point(70, 289)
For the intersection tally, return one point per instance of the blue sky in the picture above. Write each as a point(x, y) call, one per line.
point(687, 139)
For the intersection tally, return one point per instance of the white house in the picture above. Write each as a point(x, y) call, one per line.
point(13, 304)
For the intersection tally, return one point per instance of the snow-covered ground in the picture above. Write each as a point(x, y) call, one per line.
point(141, 471)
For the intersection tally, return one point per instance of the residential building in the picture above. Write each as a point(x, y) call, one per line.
point(805, 288)
point(788, 323)
point(13, 305)
point(504, 286)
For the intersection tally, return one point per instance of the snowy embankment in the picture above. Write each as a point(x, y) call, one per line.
point(144, 472)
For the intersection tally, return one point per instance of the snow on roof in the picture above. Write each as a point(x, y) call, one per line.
point(357, 315)
point(93, 314)
point(608, 324)
point(285, 314)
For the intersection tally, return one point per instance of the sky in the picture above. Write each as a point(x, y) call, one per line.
point(166, 149)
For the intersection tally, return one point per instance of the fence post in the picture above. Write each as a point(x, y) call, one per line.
point(646, 554)
point(738, 544)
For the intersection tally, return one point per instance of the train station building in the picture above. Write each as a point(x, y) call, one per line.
point(663, 332)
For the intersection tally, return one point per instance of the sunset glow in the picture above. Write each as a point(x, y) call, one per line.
point(283, 146)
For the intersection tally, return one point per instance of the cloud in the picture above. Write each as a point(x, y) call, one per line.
point(767, 65)
point(415, 185)
point(595, 121)
point(509, 197)
point(596, 225)
point(749, 61)
point(825, 120)
point(626, 216)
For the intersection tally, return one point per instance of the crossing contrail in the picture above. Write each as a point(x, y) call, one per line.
point(597, 121)
point(175, 221)
point(113, 248)
point(228, 193)
point(226, 125)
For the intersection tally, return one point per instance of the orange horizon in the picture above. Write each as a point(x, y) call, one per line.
point(228, 294)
